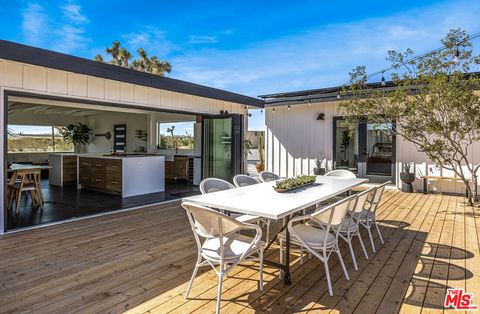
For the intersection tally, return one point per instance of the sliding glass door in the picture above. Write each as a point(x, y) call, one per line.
point(222, 149)
point(369, 150)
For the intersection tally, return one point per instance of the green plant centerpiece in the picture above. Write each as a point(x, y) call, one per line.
point(293, 183)
point(77, 134)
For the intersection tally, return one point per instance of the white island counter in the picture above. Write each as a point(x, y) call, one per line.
point(122, 175)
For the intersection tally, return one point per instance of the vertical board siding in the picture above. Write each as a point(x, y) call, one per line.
point(295, 139)
point(36, 79)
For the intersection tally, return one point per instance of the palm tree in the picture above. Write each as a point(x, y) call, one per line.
point(121, 57)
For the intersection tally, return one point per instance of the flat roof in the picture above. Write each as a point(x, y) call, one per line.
point(314, 95)
point(60, 61)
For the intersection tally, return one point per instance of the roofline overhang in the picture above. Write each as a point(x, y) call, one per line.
point(50, 59)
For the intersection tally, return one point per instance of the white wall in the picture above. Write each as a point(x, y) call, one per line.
point(294, 138)
point(101, 123)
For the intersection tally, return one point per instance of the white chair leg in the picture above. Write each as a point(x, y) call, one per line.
point(371, 238)
point(353, 254)
point(267, 236)
point(219, 295)
point(363, 245)
point(342, 263)
point(261, 268)
point(193, 277)
point(379, 234)
point(329, 283)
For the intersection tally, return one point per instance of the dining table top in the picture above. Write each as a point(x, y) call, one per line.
point(262, 200)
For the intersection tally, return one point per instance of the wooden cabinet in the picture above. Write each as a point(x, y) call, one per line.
point(113, 176)
point(100, 174)
point(178, 169)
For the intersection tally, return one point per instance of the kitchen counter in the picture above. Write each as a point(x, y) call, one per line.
point(129, 175)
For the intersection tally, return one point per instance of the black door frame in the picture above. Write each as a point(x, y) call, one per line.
point(362, 148)
point(237, 131)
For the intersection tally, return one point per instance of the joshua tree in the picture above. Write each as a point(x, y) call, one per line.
point(121, 57)
point(170, 130)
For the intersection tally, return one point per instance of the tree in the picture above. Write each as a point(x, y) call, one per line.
point(170, 130)
point(433, 104)
point(121, 57)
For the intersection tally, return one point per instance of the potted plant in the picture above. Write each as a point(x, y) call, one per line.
point(407, 177)
point(77, 134)
point(261, 164)
point(319, 170)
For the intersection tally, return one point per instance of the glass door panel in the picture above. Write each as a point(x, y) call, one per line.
point(221, 144)
point(346, 147)
point(379, 148)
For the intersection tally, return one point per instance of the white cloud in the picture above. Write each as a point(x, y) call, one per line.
point(153, 40)
point(34, 24)
point(66, 34)
point(194, 39)
point(72, 12)
point(323, 57)
point(71, 34)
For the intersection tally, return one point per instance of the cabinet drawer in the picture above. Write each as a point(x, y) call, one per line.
point(113, 166)
point(114, 186)
point(97, 183)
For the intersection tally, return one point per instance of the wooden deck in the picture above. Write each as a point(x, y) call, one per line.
point(141, 261)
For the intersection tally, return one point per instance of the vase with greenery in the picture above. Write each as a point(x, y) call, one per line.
point(320, 169)
point(77, 134)
point(260, 166)
point(407, 177)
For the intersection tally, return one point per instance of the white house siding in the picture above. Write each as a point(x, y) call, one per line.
point(16, 76)
point(295, 138)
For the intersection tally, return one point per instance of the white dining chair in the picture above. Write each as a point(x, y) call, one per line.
point(350, 226)
point(220, 244)
point(320, 242)
point(266, 176)
point(367, 217)
point(341, 173)
point(241, 180)
point(211, 185)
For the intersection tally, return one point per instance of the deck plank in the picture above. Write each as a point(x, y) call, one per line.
point(141, 261)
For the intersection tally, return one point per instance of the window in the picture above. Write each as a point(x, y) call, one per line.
point(178, 135)
point(31, 138)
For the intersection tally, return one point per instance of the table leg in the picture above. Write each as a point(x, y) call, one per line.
point(287, 279)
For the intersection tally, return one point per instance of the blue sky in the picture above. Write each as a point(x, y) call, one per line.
point(249, 47)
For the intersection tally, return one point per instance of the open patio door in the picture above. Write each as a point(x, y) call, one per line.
point(369, 151)
point(222, 146)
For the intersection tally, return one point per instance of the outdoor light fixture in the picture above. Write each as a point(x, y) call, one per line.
point(288, 107)
point(457, 54)
point(383, 80)
point(222, 112)
point(309, 102)
point(245, 107)
point(321, 116)
point(273, 109)
point(338, 95)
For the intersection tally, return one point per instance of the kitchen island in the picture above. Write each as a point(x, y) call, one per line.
point(126, 176)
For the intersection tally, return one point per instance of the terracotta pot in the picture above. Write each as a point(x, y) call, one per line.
point(260, 167)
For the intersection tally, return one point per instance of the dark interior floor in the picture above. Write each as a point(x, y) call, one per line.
point(63, 203)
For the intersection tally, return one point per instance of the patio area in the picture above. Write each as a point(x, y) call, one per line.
point(142, 260)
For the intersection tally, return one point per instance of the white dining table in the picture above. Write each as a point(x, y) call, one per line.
point(263, 201)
